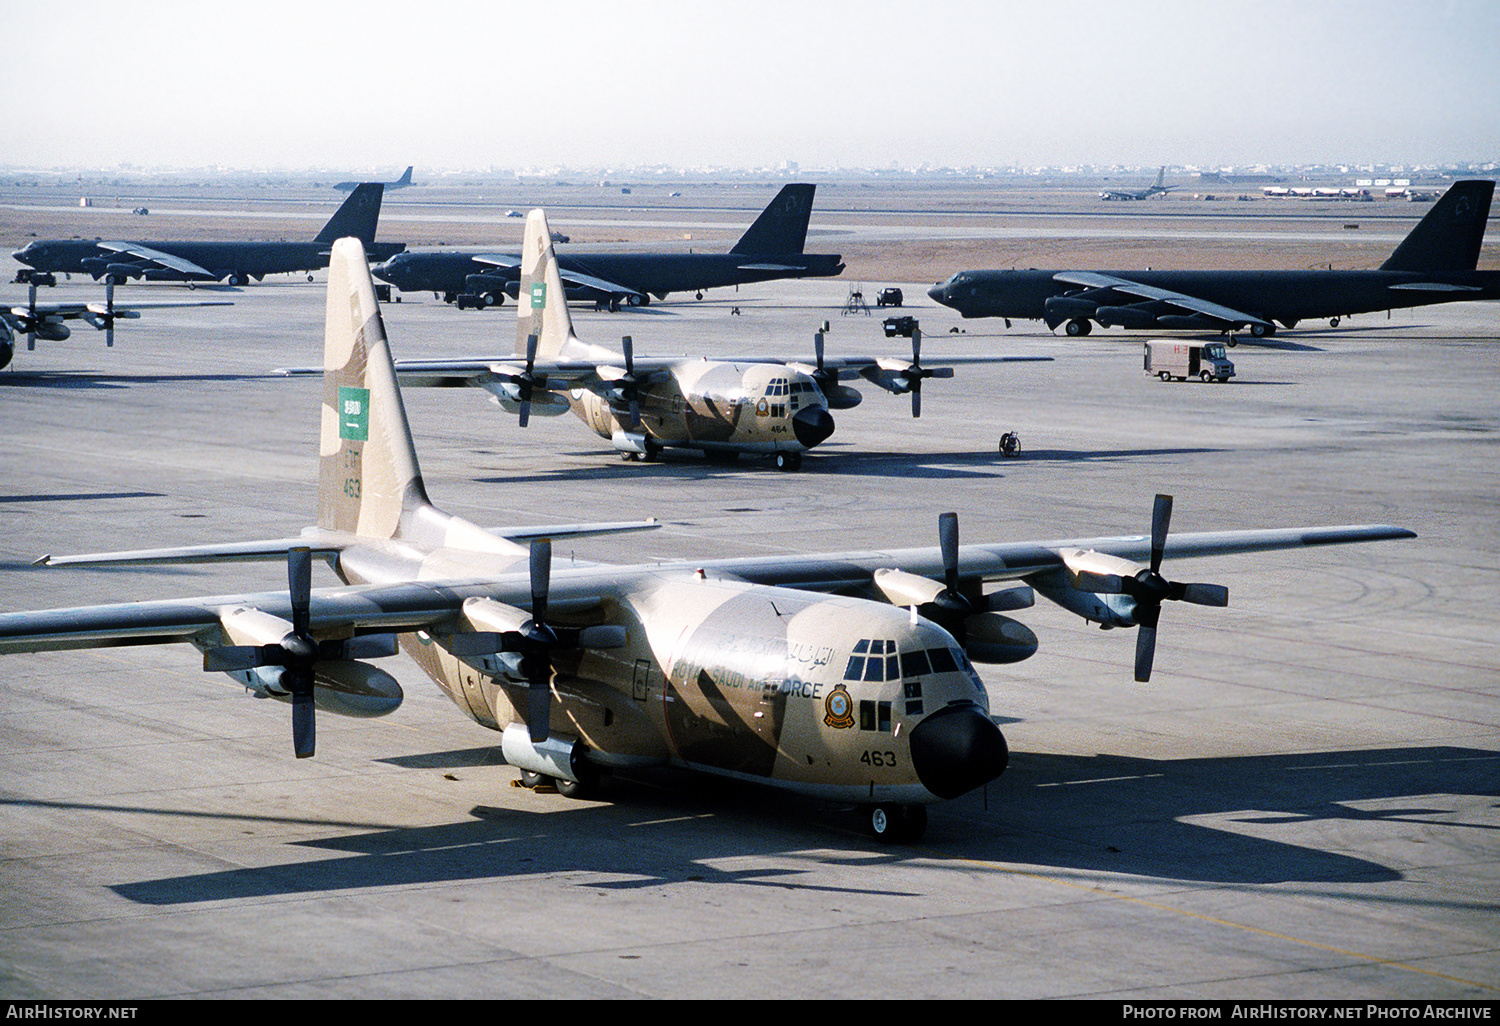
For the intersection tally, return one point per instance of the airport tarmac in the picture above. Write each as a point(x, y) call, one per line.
point(1301, 805)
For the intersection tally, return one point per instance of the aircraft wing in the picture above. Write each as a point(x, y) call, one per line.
point(1095, 280)
point(577, 279)
point(71, 310)
point(498, 259)
point(333, 611)
point(1015, 561)
point(414, 605)
point(849, 367)
point(158, 257)
point(570, 278)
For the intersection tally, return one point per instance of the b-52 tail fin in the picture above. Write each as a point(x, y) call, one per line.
point(358, 217)
point(782, 226)
point(1448, 238)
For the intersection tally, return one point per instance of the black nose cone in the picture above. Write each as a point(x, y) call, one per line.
point(956, 749)
point(812, 425)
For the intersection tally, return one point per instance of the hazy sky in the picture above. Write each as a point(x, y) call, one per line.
point(379, 85)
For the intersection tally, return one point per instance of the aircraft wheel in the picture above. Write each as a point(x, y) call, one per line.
point(1261, 330)
point(788, 460)
point(1165, 376)
point(533, 780)
point(486, 299)
point(581, 788)
point(896, 824)
point(1333, 322)
point(1079, 327)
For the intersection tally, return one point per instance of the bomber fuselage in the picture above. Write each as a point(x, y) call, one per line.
point(655, 274)
point(1283, 296)
point(221, 259)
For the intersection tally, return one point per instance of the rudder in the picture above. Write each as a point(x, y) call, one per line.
point(541, 302)
point(358, 217)
point(782, 226)
point(368, 478)
point(1449, 236)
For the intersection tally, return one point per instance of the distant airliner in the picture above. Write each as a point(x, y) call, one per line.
point(1151, 190)
point(399, 183)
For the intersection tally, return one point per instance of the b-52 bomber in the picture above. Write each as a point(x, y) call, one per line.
point(843, 676)
point(771, 248)
point(45, 320)
point(1436, 263)
point(643, 405)
point(232, 262)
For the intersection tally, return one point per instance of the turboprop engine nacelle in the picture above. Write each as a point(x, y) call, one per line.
point(341, 683)
point(1071, 587)
point(507, 394)
point(841, 397)
point(52, 331)
point(974, 621)
point(492, 645)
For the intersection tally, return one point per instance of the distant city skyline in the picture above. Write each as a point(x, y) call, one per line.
point(874, 84)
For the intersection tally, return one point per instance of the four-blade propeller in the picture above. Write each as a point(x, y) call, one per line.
point(1150, 589)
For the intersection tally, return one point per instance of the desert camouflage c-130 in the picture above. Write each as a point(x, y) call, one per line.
point(845, 676)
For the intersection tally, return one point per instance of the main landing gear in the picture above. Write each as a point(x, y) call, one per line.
point(583, 788)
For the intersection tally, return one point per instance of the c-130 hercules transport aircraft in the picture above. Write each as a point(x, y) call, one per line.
point(757, 405)
point(844, 676)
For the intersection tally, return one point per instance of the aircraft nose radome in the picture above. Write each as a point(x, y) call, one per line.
point(938, 292)
point(812, 425)
point(956, 749)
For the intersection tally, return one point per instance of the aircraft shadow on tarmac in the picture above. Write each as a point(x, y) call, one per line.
point(906, 465)
point(85, 379)
point(1050, 814)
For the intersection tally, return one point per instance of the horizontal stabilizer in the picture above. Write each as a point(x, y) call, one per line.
point(227, 552)
point(556, 531)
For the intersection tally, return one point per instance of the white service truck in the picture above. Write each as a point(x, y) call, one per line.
point(1168, 358)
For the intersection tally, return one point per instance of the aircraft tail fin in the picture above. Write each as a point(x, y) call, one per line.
point(369, 483)
point(358, 217)
point(1449, 237)
point(405, 179)
point(782, 226)
point(541, 303)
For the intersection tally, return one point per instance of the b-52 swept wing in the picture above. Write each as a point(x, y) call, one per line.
point(846, 676)
point(1436, 263)
point(45, 320)
point(756, 405)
